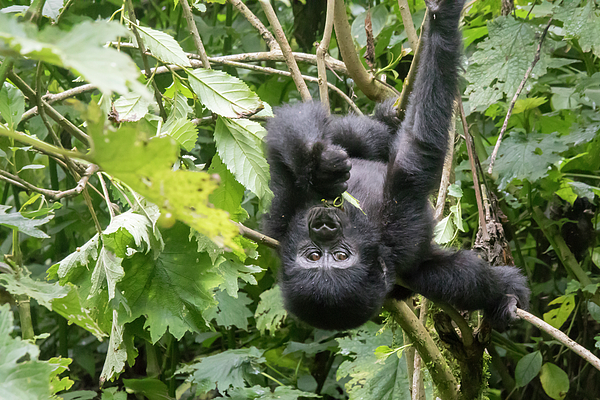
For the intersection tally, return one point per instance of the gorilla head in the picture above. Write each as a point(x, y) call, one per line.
point(328, 279)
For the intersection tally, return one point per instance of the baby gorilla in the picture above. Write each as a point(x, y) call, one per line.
point(338, 266)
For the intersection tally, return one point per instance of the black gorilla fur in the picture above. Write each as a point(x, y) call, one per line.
point(338, 266)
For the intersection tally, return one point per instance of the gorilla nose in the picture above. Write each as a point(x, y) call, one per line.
point(324, 225)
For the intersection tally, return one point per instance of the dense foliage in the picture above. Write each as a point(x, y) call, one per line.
point(123, 271)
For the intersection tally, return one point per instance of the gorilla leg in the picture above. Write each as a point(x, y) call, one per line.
point(469, 283)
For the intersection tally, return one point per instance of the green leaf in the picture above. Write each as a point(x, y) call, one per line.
point(230, 270)
point(558, 316)
point(527, 157)
point(22, 375)
point(183, 131)
point(263, 393)
point(444, 231)
point(224, 94)
point(581, 23)
point(500, 62)
point(27, 226)
point(163, 46)
point(81, 49)
point(146, 166)
point(60, 365)
point(80, 257)
point(71, 308)
point(108, 269)
point(172, 290)
point(230, 311)
point(152, 388)
point(127, 233)
point(527, 368)
point(12, 105)
point(44, 293)
point(555, 381)
point(228, 196)
point(207, 245)
point(369, 379)
point(116, 354)
point(596, 256)
point(131, 107)
point(594, 310)
point(379, 16)
point(231, 368)
point(239, 145)
point(270, 313)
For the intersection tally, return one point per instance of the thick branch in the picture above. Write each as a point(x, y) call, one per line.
point(255, 22)
point(321, 51)
point(189, 18)
point(286, 49)
point(434, 360)
point(257, 236)
point(561, 337)
point(371, 87)
point(536, 58)
point(409, 27)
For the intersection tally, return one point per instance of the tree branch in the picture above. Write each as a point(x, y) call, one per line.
point(257, 236)
point(561, 337)
point(52, 113)
point(322, 49)
point(193, 29)
point(536, 58)
point(257, 24)
point(440, 372)
point(286, 49)
point(409, 26)
point(476, 186)
point(371, 87)
point(51, 194)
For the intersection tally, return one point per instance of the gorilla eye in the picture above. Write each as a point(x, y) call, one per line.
point(340, 256)
point(314, 256)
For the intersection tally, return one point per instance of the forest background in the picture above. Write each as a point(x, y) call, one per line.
point(124, 272)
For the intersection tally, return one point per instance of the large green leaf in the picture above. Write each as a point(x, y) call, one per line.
point(581, 23)
point(225, 370)
point(228, 196)
point(558, 316)
point(224, 94)
point(172, 290)
point(239, 145)
point(527, 156)
point(82, 49)
point(500, 62)
point(146, 166)
point(231, 311)
point(12, 105)
point(370, 379)
point(270, 313)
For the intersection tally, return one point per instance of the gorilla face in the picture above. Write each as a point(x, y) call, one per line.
point(331, 277)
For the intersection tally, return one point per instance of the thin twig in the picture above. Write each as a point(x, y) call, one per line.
point(257, 236)
point(189, 18)
point(561, 337)
point(142, 48)
point(286, 50)
point(109, 204)
point(409, 26)
point(51, 194)
point(515, 97)
point(322, 49)
point(333, 64)
point(472, 155)
point(371, 87)
point(256, 23)
point(52, 113)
